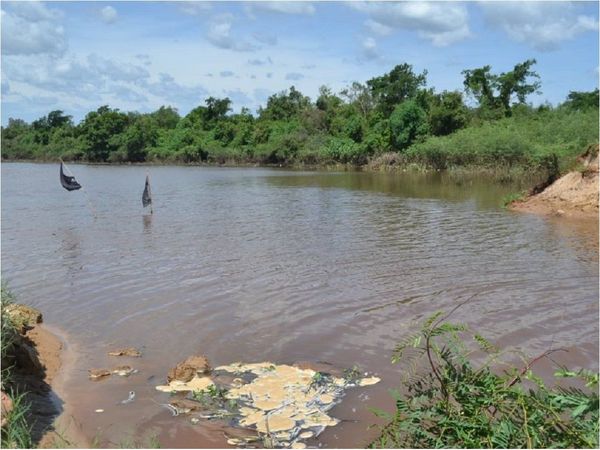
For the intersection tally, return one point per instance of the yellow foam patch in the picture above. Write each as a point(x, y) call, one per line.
point(276, 423)
point(369, 381)
point(195, 384)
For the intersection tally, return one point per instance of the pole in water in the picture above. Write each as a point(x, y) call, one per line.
point(147, 195)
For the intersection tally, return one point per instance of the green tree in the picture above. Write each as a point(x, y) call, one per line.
point(132, 145)
point(447, 113)
point(580, 101)
point(166, 117)
point(285, 105)
point(408, 122)
point(207, 116)
point(98, 130)
point(400, 84)
point(359, 96)
point(498, 91)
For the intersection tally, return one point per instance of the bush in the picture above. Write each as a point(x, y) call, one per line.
point(344, 150)
point(528, 141)
point(16, 433)
point(454, 404)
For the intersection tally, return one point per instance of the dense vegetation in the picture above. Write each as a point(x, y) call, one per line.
point(394, 117)
point(452, 404)
point(17, 432)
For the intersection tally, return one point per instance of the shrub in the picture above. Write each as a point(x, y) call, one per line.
point(454, 404)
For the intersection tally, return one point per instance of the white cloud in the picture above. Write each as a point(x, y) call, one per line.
point(29, 28)
point(219, 34)
point(226, 73)
point(34, 11)
point(108, 14)
point(194, 8)
point(118, 71)
point(440, 23)
point(170, 90)
point(282, 7)
point(378, 28)
point(369, 49)
point(543, 25)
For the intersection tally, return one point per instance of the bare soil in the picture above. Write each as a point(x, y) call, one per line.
point(575, 195)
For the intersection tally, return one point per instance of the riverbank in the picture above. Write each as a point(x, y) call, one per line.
point(574, 195)
point(34, 362)
point(387, 163)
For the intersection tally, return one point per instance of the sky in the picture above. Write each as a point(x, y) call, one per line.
point(137, 56)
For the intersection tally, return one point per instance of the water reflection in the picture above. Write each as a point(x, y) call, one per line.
point(70, 252)
point(147, 220)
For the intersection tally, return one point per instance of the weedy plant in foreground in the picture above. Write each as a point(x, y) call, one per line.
point(17, 432)
point(455, 404)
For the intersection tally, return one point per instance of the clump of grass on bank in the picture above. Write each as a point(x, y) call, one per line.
point(455, 404)
point(527, 140)
point(17, 432)
point(511, 198)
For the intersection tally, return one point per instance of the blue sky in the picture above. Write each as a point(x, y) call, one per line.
point(137, 56)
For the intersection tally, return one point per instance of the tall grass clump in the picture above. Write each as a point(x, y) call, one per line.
point(452, 403)
point(17, 432)
point(531, 140)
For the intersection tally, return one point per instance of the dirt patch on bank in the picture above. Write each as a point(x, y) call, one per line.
point(36, 361)
point(574, 195)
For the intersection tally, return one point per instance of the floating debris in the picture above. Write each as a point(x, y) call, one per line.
point(130, 398)
point(195, 420)
point(129, 351)
point(188, 369)
point(98, 374)
point(195, 384)
point(124, 371)
point(283, 404)
point(99, 411)
point(369, 381)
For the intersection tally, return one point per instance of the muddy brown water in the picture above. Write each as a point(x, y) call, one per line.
point(257, 264)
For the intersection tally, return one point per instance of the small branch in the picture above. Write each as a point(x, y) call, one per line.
point(532, 362)
point(453, 310)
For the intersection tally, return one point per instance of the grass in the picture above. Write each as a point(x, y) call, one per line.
point(17, 432)
point(507, 200)
point(528, 140)
point(449, 402)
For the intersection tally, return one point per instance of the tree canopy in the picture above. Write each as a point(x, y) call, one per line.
point(497, 91)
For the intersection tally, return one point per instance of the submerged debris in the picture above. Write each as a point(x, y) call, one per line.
point(195, 384)
point(98, 374)
point(124, 371)
point(188, 369)
point(283, 404)
point(130, 398)
point(129, 351)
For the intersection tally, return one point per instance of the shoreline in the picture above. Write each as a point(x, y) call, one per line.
point(43, 359)
point(502, 174)
point(572, 196)
point(63, 432)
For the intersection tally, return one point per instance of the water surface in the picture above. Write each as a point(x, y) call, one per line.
point(287, 266)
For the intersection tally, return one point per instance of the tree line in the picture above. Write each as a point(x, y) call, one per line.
point(394, 113)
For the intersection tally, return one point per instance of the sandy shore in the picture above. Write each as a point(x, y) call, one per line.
point(43, 364)
point(575, 195)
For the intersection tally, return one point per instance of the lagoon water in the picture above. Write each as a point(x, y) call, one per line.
point(286, 266)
